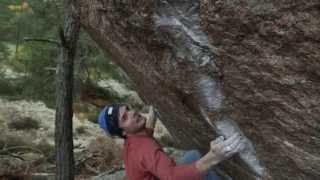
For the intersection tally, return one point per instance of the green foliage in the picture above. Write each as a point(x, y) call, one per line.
point(40, 74)
point(7, 88)
point(7, 20)
point(92, 64)
point(4, 52)
point(318, 136)
point(36, 61)
point(41, 18)
point(32, 59)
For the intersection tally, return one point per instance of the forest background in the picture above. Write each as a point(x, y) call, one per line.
point(29, 52)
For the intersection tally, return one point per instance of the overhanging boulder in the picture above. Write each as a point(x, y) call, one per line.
point(215, 67)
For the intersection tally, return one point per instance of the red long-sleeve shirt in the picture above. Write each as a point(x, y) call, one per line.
point(145, 160)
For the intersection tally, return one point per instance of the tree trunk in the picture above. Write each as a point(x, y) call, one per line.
point(217, 67)
point(64, 111)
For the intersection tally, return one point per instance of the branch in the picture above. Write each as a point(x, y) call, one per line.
point(51, 69)
point(91, 169)
point(5, 150)
point(12, 155)
point(42, 40)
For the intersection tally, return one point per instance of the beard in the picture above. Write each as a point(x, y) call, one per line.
point(140, 125)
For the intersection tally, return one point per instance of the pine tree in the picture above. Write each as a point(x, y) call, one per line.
point(64, 112)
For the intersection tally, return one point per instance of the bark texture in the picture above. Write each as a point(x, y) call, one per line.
point(215, 67)
point(64, 93)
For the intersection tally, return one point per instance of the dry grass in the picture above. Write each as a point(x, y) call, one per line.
point(24, 123)
point(103, 154)
point(14, 168)
point(13, 140)
point(19, 157)
point(81, 130)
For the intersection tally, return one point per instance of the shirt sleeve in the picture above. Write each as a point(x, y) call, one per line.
point(155, 161)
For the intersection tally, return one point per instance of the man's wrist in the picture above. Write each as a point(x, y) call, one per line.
point(206, 162)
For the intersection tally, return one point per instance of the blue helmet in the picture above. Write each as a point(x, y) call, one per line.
point(109, 120)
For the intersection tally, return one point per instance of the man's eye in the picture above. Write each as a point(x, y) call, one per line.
point(127, 108)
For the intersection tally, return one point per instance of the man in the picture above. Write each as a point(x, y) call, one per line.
point(143, 156)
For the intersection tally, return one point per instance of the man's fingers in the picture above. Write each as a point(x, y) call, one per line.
point(237, 149)
point(150, 117)
point(215, 145)
point(221, 143)
point(151, 110)
point(152, 114)
point(218, 140)
point(224, 149)
point(231, 139)
point(232, 146)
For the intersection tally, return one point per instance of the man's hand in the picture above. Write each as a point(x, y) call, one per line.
point(150, 118)
point(220, 150)
point(223, 149)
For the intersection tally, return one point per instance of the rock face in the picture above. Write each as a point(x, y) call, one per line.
point(216, 67)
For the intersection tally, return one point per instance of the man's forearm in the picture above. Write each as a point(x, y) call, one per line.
point(206, 163)
point(220, 150)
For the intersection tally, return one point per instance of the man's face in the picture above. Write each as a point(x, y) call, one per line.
point(130, 120)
